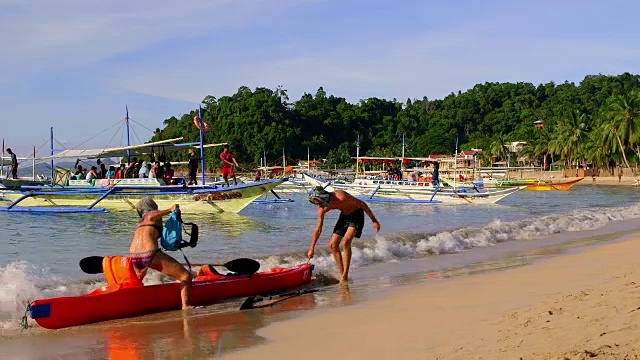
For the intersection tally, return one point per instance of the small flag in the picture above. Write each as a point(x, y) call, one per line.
point(358, 139)
point(456, 144)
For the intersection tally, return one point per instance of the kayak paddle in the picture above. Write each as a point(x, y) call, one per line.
point(252, 300)
point(242, 266)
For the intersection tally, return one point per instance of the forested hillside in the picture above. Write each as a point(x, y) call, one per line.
point(596, 121)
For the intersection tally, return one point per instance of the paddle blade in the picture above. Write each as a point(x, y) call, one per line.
point(243, 266)
point(248, 304)
point(92, 264)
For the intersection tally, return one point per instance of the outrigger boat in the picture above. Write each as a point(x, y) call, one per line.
point(525, 183)
point(102, 195)
point(561, 185)
point(405, 191)
point(492, 183)
point(410, 191)
point(192, 199)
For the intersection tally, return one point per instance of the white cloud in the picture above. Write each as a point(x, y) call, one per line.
point(185, 51)
point(53, 35)
point(431, 64)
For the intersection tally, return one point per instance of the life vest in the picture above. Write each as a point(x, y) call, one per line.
point(119, 270)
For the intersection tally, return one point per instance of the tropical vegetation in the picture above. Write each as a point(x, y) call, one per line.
point(596, 121)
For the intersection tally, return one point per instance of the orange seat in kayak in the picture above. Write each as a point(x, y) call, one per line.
point(207, 272)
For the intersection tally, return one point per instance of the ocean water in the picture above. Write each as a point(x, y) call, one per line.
point(39, 253)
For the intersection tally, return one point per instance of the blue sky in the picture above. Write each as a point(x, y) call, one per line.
point(74, 64)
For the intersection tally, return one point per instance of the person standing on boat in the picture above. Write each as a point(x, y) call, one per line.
point(435, 176)
point(228, 161)
point(14, 164)
point(145, 253)
point(193, 167)
point(349, 224)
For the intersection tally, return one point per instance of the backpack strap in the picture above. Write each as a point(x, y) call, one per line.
point(193, 234)
point(186, 260)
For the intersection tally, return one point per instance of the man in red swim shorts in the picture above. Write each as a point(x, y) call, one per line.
point(228, 161)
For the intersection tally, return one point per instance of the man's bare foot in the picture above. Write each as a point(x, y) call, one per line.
point(344, 281)
point(188, 307)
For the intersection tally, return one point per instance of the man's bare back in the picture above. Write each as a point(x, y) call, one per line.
point(344, 202)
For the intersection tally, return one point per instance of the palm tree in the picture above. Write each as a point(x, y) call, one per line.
point(622, 115)
point(602, 152)
point(530, 136)
point(528, 151)
point(541, 147)
point(573, 133)
point(498, 148)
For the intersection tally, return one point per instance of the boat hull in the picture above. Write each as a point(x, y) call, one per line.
point(119, 301)
point(408, 191)
point(191, 199)
point(554, 185)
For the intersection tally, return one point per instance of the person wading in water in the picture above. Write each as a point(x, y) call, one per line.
point(349, 225)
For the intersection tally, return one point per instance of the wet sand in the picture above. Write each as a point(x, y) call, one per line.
point(577, 306)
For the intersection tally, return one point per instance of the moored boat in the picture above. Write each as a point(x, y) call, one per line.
point(561, 185)
point(121, 301)
point(409, 191)
point(192, 199)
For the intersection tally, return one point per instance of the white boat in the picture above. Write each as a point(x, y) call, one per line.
point(407, 191)
point(101, 195)
point(123, 196)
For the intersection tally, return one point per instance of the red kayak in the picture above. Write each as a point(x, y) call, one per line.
point(120, 301)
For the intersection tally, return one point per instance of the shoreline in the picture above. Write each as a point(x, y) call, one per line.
point(584, 304)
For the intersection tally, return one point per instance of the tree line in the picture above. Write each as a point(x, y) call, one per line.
point(596, 121)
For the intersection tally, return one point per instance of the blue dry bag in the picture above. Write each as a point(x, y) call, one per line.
point(172, 232)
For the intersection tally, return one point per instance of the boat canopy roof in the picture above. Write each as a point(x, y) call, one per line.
point(397, 158)
point(134, 150)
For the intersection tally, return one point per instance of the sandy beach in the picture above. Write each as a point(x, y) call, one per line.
point(611, 180)
point(628, 180)
point(578, 306)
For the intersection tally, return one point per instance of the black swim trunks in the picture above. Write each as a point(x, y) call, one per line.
point(355, 220)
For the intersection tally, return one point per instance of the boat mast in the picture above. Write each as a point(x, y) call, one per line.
point(402, 162)
point(52, 172)
point(2, 160)
point(357, 156)
point(455, 165)
point(34, 163)
point(284, 163)
point(128, 140)
point(308, 160)
point(201, 141)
